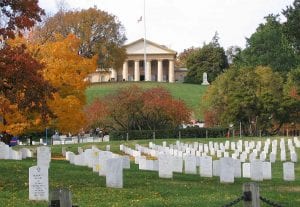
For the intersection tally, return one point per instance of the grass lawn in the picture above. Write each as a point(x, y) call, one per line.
point(191, 94)
point(141, 188)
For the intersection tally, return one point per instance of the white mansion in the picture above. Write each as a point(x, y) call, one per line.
point(159, 67)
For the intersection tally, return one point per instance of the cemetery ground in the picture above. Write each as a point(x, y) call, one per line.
point(141, 188)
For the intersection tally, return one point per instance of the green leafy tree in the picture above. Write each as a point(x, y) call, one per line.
point(291, 26)
point(292, 97)
point(268, 46)
point(232, 53)
point(183, 56)
point(210, 58)
point(249, 96)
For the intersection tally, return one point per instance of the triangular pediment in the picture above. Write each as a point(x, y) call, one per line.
point(137, 47)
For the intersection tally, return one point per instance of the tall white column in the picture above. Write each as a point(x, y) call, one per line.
point(159, 71)
point(148, 71)
point(114, 74)
point(125, 71)
point(136, 70)
point(171, 71)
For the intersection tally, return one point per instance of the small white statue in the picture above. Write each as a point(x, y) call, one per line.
point(205, 82)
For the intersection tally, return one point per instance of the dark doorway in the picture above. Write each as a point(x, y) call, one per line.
point(142, 78)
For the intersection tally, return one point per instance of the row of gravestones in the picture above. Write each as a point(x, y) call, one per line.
point(105, 163)
point(74, 140)
point(250, 153)
point(167, 164)
point(38, 175)
point(8, 153)
point(213, 147)
point(111, 166)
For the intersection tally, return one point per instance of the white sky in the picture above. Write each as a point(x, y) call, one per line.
point(180, 24)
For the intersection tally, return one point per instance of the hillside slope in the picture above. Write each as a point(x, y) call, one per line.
point(191, 94)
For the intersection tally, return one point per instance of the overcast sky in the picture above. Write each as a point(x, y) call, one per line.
point(180, 24)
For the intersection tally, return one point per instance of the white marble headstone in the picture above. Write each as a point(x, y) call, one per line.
point(165, 166)
point(43, 156)
point(71, 156)
point(80, 150)
point(267, 171)
point(126, 162)
point(190, 165)
point(79, 160)
point(216, 168)
point(243, 157)
point(288, 171)
point(206, 166)
point(142, 163)
point(283, 155)
point(252, 156)
point(294, 157)
point(177, 164)
point(272, 157)
point(237, 168)
point(103, 156)
point(4, 151)
point(88, 158)
point(114, 172)
point(95, 159)
point(262, 156)
point(149, 165)
point(246, 170)
point(38, 183)
point(256, 170)
point(226, 170)
point(26, 153)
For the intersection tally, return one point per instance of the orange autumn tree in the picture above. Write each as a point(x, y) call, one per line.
point(66, 71)
point(24, 90)
point(13, 122)
point(97, 114)
point(133, 108)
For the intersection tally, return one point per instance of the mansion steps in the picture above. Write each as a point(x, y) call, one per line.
point(159, 65)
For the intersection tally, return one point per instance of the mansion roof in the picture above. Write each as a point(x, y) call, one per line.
point(137, 48)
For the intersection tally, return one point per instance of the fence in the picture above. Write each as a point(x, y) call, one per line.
point(251, 197)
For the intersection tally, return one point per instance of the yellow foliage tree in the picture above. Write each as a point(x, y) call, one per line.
point(65, 68)
point(14, 122)
point(13, 119)
point(68, 110)
point(66, 71)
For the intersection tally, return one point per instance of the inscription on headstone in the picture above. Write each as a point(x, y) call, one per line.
point(38, 183)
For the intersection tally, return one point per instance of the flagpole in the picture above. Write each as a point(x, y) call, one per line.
point(145, 55)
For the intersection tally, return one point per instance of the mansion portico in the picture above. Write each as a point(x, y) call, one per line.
point(159, 65)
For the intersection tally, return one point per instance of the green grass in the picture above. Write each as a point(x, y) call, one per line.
point(141, 188)
point(191, 94)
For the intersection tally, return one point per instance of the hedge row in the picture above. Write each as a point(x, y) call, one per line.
point(194, 132)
